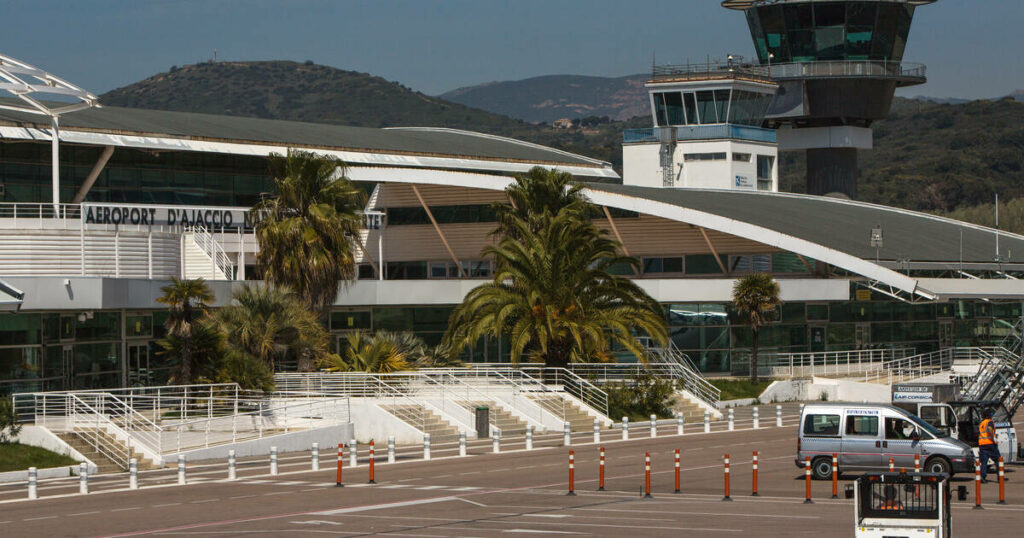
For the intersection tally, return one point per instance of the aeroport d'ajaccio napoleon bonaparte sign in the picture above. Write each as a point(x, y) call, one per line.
point(213, 218)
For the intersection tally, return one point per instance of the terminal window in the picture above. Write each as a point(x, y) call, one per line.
point(704, 156)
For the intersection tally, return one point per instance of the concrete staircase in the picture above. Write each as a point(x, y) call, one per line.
point(691, 411)
point(104, 463)
point(198, 263)
point(500, 418)
point(566, 410)
point(417, 416)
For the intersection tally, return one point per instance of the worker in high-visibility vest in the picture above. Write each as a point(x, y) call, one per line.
point(987, 447)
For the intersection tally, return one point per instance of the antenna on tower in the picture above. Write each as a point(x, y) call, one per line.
point(214, 55)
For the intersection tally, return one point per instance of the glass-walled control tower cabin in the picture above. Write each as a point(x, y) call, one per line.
point(707, 130)
point(838, 64)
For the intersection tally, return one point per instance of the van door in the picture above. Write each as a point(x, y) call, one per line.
point(861, 441)
point(898, 443)
point(941, 416)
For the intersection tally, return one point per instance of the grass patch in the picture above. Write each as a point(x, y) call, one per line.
point(735, 389)
point(18, 457)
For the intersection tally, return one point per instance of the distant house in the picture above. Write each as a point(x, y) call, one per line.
point(564, 123)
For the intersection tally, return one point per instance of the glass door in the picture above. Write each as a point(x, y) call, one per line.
point(945, 334)
point(68, 360)
point(862, 336)
point(139, 374)
point(817, 338)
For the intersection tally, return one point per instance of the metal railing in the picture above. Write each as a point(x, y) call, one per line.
point(22, 210)
point(719, 131)
point(849, 68)
point(157, 421)
point(822, 363)
point(685, 373)
point(735, 68)
point(220, 264)
point(537, 379)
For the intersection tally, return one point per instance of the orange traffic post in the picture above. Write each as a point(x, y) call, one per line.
point(647, 475)
point(807, 479)
point(572, 474)
point(372, 481)
point(1002, 487)
point(917, 463)
point(726, 460)
point(835, 476)
point(892, 465)
point(977, 484)
point(754, 465)
point(677, 471)
point(340, 446)
point(600, 480)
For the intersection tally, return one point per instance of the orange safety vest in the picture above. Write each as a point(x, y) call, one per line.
point(984, 437)
point(891, 505)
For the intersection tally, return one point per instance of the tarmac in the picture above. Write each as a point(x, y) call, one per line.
point(515, 492)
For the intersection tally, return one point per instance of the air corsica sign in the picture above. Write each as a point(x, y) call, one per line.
point(211, 218)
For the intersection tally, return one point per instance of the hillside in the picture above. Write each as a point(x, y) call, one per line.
point(302, 92)
point(548, 98)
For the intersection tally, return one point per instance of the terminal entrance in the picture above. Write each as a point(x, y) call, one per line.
point(139, 372)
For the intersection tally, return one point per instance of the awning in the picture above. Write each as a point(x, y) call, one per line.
point(10, 298)
point(974, 288)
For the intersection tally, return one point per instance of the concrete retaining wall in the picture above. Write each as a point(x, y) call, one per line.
point(327, 436)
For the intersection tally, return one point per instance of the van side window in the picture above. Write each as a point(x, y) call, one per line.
point(898, 429)
point(821, 425)
point(861, 425)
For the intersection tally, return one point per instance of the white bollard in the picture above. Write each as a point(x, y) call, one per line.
point(757, 418)
point(426, 446)
point(680, 419)
point(33, 490)
point(462, 443)
point(231, 465)
point(801, 410)
point(316, 457)
point(83, 478)
point(707, 422)
point(181, 470)
point(133, 474)
point(353, 453)
point(566, 433)
point(732, 418)
point(778, 416)
point(597, 431)
point(391, 448)
point(625, 428)
point(654, 425)
point(273, 460)
point(496, 441)
point(529, 437)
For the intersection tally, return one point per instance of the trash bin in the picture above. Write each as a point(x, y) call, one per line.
point(483, 421)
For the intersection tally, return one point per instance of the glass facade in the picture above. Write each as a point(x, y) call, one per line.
point(708, 107)
point(830, 30)
point(133, 176)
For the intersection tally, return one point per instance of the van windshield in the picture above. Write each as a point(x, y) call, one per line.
point(925, 426)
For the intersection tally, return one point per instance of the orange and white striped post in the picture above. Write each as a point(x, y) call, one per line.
point(340, 446)
point(977, 484)
point(835, 475)
point(647, 475)
point(1002, 486)
point(753, 463)
point(572, 474)
point(892, 465)
point(677, 471)
point(600, 472)
point(917, 463)
point(726, 462)
point(372, 481)
point(807, 479)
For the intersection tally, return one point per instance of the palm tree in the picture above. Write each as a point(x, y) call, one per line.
point(755, 296)
point(306, 232)
point(267, 321)
point(383, 352)
point(189, 342)
point(540, 193)
point(554, 296)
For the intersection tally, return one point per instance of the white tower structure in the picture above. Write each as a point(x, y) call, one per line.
point(707, 130)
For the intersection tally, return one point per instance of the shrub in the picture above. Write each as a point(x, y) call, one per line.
point(9, 427)
point(644, 395)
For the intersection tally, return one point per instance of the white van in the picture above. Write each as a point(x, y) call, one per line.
point(865, 436)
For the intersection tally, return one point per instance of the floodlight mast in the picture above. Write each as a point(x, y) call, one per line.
point(22, 81)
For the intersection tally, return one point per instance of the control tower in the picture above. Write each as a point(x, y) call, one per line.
point(837, 63)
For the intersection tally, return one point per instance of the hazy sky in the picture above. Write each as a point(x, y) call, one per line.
point(972, 47)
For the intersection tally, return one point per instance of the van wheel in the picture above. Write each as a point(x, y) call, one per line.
point(937, 465)
point(821, 468)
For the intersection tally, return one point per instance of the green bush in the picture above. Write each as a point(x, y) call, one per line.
point(9, 426)
point(249, 372)
point(641, 397)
